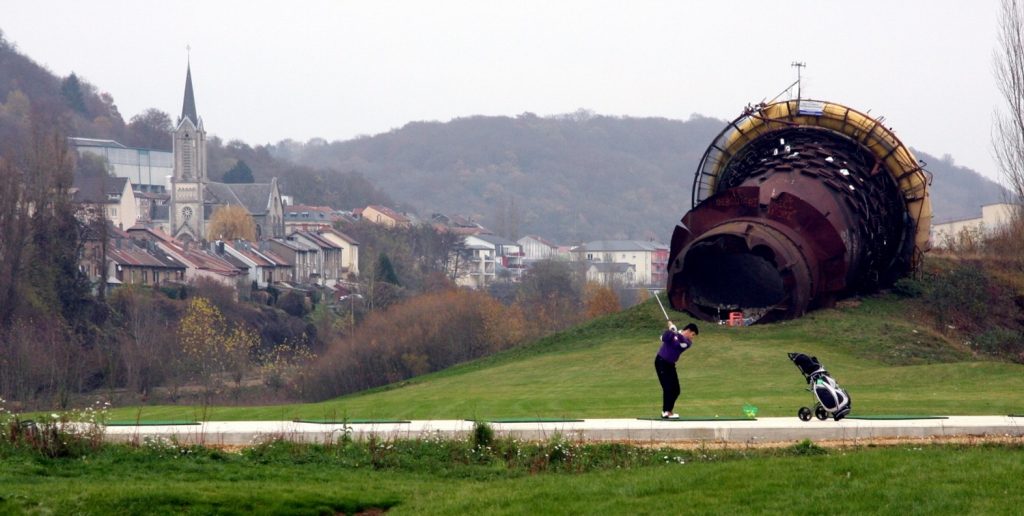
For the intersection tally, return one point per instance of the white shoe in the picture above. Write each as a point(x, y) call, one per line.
point(669, 415)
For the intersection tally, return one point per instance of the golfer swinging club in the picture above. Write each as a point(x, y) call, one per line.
point(673, 344)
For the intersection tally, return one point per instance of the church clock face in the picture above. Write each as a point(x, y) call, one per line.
point(186, 213)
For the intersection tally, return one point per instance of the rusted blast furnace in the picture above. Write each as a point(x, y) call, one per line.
point(795, 205)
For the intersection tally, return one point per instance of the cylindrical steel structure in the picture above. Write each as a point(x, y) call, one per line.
point(797, 204)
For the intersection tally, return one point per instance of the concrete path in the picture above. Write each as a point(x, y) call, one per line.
point(761, 430)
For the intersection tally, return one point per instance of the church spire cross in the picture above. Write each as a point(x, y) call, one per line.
point(188, 107)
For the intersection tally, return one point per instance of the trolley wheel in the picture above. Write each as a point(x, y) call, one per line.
point(804, 414)
point(820, 413)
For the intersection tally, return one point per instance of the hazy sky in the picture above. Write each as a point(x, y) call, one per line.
point(267, 71)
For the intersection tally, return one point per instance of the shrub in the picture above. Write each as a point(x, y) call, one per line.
point(807, 447)
point(960, 297)
point(1000, 342)
point(294, 303)
point(68, 434)
point(909, 287)
point(483, 434)
point(424, 334)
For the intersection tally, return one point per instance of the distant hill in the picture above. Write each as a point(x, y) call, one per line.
point(958, 192)
point(26, 87)
point(569, 178)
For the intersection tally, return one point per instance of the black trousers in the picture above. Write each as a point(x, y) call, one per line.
point(669, 380)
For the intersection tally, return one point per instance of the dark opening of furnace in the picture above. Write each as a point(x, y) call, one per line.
point(724, 275)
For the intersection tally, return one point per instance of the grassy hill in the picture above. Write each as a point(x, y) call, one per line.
point(889, 362)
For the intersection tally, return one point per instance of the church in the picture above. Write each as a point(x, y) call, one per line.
point(194, 198)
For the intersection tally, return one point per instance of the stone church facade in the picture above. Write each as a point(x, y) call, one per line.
point(194, 198)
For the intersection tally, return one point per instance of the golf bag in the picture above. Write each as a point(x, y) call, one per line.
point(830, 399)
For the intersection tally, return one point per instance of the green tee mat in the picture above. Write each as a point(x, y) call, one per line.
point(681, 418)
point(896, 416)
point(350, 421)
point(149, 422)
point(1015, 415)
point(529, 420)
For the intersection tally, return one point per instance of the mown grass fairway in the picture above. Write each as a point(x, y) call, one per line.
point(604, 369)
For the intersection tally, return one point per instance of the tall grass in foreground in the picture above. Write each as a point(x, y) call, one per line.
point(431, 476)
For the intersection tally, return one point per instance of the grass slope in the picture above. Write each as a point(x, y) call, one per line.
point(604, 369)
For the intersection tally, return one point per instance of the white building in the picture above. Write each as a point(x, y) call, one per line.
point(611, 273)
point(490, 258)
point(648, 259)
point(147, 169)
point(993, 217)
point(537, 248)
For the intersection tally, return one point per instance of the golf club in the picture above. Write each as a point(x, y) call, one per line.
point(662, 306)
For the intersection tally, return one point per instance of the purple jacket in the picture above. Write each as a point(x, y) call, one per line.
point(672, 345)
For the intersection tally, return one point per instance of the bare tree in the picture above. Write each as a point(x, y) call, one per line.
point(1008, 133)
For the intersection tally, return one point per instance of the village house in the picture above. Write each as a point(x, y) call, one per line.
point(113, 195)
point(456, 224)
point(611, 273)
point(649, 259)
point(490, 257)
point(383, 215)
point(537, 248)
point(302, 257)
point(327, 259)
point(264, 266)
point(199, 263)
point(349, 249)
point(127, 260)
point(301, 217)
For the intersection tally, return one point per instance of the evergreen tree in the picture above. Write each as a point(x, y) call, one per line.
point(71, 90)
point(385, 271)
point(240, 173)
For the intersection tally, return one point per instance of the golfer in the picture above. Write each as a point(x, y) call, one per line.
point(673, 344)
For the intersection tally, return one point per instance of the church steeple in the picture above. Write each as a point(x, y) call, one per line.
point(188, 184)
point(188, 107)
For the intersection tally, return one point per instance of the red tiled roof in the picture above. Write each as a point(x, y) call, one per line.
point(298, 208)
point(274, 257)
point(318, 240)
point(338, 234)
point(250, 253)
point(397, 217)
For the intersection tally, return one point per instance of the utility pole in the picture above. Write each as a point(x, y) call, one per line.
point(799, 66)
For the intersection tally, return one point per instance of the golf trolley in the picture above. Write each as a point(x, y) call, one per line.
point(830, 400)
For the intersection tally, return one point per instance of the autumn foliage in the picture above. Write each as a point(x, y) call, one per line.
point(424, 334)
point(213, 349)
point(232, 223)
point(600, 300)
